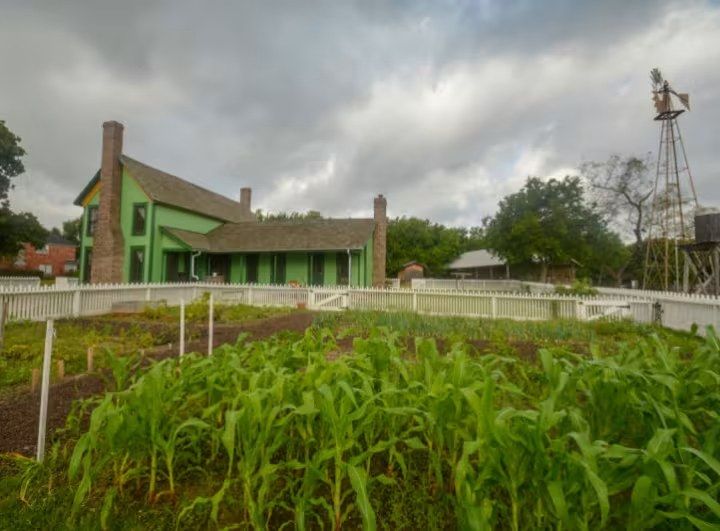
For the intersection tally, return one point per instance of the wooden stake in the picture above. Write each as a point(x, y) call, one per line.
point(35, 380)
point(90, 359)
point(210, 325)
point(60, 364)
point(182, 327)
point(45, 390)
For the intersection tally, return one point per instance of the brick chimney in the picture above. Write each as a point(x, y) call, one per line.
point(245, 200)
point(380, 240)
point(108, 245)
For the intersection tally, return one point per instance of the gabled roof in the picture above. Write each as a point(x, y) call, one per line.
point(164, 188)
point(479, 258)
point(319, 235)
point(191, 239)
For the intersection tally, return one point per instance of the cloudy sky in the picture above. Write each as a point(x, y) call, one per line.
point(443, 106)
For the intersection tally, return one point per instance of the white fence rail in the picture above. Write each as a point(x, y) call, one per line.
point(680, 312)
point(7, 282)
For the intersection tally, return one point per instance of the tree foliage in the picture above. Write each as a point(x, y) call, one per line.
point(432, 244)
point(16, 229)
point(622, 187)
point(310, 215)
point(24, 226)
point(550, 222)
point(11, 165)
point(70, 230)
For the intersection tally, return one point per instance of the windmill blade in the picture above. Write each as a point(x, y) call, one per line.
point(684, 98)
point(656, 77)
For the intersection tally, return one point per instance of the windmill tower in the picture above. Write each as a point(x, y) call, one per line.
point(674, 196)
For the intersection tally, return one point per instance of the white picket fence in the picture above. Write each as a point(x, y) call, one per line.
point(37, 304)
point(19, 281)
point(672, 310)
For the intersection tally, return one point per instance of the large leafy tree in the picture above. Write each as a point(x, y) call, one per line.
point(432, 244)
point(20, 227)
point(550, 222)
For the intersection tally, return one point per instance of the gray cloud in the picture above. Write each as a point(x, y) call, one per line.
point(443, 106)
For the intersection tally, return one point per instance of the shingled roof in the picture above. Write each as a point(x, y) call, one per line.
point(166, 188)
point(319, 235)
point(162, 187)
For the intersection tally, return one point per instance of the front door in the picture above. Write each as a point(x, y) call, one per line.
point(317, 269)
point(219, 267)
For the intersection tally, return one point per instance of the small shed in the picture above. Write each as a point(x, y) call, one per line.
point(481, 264)
point(411, 270)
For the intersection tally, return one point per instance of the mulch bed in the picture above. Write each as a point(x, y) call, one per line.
point(19, 412)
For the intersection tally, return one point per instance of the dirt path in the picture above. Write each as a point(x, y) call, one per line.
point(19, 411)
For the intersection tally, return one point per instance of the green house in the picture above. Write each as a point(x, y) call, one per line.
point(140, 224)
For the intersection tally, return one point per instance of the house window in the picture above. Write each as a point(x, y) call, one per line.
point(251, 268)
point(317, 269)
point(87, 265)
point(92, 218)
point(138, 219)
point(46, 269)
point(137, 264)
point(70, 266)
point(342, 267)
point(277, 268)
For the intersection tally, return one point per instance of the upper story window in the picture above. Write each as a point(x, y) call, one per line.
point(92, 215)
point(138, 219)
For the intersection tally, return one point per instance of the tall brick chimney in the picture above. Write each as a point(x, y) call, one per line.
point(245, 199)
point(108, 245)
point(380, 240)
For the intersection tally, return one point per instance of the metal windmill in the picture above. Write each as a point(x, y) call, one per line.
point(674, 195)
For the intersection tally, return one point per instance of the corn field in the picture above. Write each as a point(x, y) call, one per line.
point(292, 433)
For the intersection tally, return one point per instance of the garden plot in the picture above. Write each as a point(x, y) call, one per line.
point(369, 420)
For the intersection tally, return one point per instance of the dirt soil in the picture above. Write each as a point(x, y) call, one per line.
point(19, 412)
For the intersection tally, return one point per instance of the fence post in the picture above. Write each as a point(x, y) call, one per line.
point(76, 303)
point(45, 390)
point(250, 297)
point(182, 327)
point(210, 325)
point(148, 294)
point(311, 299)
point(414, 301)
point(493, 307)
point(579, 310)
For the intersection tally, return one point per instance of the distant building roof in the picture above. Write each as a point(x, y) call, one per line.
point(413, 262)
point(473, 259)
point(56, 239)
point(315, 235)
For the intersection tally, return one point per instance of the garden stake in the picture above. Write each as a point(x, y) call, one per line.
point(60, 364)
point(90, 359)
point(35, 380)
point(49, 332)
point(210, 325)
point(182, 327)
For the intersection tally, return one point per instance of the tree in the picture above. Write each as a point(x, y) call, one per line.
point(14, 228)
point(549, 222)
point(622, 188)
point(11, 164)
point(432, 244)
point(310, 215)
point(70, 230)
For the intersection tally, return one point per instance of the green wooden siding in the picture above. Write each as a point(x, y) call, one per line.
point(157, 244)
